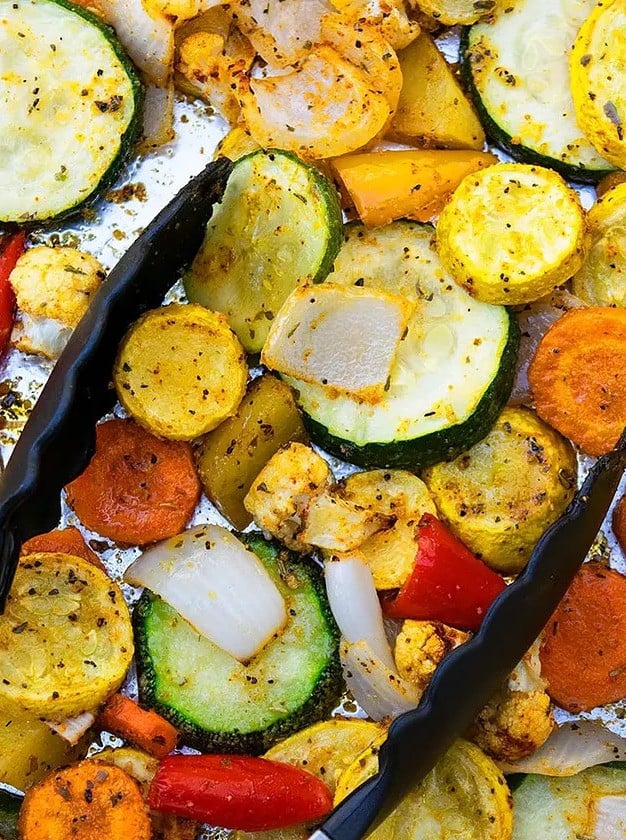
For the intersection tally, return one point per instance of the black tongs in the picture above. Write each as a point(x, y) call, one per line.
point(58, 441)
point(471, 674)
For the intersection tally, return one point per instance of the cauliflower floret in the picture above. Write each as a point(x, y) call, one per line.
point(513, 724)
point(333, 523)
point(389, 17)
point(53, 288)
point(283, 489)
point(420, 647)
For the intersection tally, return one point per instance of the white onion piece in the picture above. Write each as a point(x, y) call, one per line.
point(535, 320)
point(218, 585)
point(158, 117)
point(44, 336)
point(527, 674)
point(378, 690)
point(570, 749)
point(355, 605)
point(73, 729)
point(148, 39)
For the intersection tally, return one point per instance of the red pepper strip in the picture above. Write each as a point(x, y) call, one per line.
point(448, 583)
point(249, 794)
point(9, 255)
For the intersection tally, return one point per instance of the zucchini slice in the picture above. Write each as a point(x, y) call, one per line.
point(591, 804)
point(602, 279)
point(512, 233)
point(62, 609)
point(277, 225)
point(453, 372)
point(71, 101)
point(516, 67)
point(501, 495)
point(597, 77)
point(220, 704)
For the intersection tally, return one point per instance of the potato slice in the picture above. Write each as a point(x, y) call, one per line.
point(390, 554)
point(465, 795)
point(433, 110)
point(325, 107)
point(180, 371)
point(231, 456)
point(62, 609)
point(344, 338)
point(327, 749)
point(511, 233)
point(29, 749)
point(501, 495)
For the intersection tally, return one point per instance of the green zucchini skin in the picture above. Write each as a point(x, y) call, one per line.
point(133, 131)
point(442, 445)
point(10, 804)
point(518, 152)
point(319, 703)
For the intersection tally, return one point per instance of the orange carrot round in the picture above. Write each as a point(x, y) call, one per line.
point(137, 488)
point(62, 541)
point(90, 800)
point(146, 729)
point(577, 377)
point(583, 653)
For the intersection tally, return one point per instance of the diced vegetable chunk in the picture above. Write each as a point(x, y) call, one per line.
point(230, 457)
point(343, 338)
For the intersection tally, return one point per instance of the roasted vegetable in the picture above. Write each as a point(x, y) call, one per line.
point(583, 648)
point(136, 489)
point(420, 647)
point(433, 110)
point(577, 377)
point(277, 225)
point(11, 249)
point(180, 371)
point(29, 749)
point(85, 801)
point(590, 804)
point(512, 233)
point(390, 554)
point(283, 488)
point(124, 718)
point(230, 457)
point(336, 524)
point(450, 12)
point(220, 704)
point(62, 541)
point(390, 185)
point(75, 109)
point(236, 144)
point(10, 804)
point(62, 609)
point(597, 80)
point(53, 287)
point(602, 279)
point(465, 794)
point(343, 338)
point(327, 749)
point(390, 18)
point(522, 91)
point(500, 496)
point(437, 401)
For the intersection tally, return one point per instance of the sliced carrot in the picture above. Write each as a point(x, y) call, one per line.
point(62, 541)
point(577, 377)
point(90, 800)
point(146, 729)
point(137, 488)
point(619, 523)
point(583, 654)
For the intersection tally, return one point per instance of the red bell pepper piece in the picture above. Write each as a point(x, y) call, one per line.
point(231, 791)
point(448, 583)
point(9, 255)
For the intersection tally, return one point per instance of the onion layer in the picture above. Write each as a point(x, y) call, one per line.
point(218, 585)
point(376, 688)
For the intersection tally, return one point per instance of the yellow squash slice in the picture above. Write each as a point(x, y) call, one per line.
point(598, 79)
point(66, 637)
point(180, 371)
point(512, 233)
point(602, 279)
point(464, 796)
